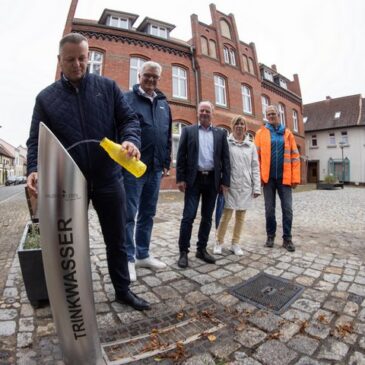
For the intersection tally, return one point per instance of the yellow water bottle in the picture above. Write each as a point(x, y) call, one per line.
point(132, 165)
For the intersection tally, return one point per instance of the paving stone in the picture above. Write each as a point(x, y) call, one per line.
point(357, 289)
point(250, 336)
point(266, 321)
point(225, 299)
point(166, 292)
point(361, 315)
point(26, 324)
point(332, 278)
point(296, 269)
point(26, 310)
point(342, 285)
point(246, 361)
point(24, 339)
point(303, 344)
point(360, 279)
point(248, 273)
point(165, 276)
point(7, 328)
point(213, 288)
point(224, 349)
point(46, 330)
point(314, 295)
point(333, 350)
point(196, 297)
point(312, 273)
point(151, 281)
point(323, 286)
point(323, 316)
point(334, 270)
point(306, 305)
point(202, 359)
point(288, 275)
point(296, 315)
point(318, 330)
point(184, 286)
point(130, 317)
point(203, 279)
point(362, 342)
point(308, 361)
point(334, 305)
point(8, 314)
point(357, 358)
point(230, 281)
point(275, 353)
point(282, 265)
point(305, 280)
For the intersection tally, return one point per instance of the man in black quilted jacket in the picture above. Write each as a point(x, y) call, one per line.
point(82, 106)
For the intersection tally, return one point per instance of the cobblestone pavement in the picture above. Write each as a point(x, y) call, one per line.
point(324, 325)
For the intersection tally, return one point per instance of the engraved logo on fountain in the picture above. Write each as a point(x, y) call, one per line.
point(64, 195)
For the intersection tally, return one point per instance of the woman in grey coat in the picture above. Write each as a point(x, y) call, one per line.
point(245, 184)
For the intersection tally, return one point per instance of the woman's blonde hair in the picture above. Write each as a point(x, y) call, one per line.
point(237, 119)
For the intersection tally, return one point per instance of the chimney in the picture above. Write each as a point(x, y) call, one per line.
point(274, 68)
point(328, 98)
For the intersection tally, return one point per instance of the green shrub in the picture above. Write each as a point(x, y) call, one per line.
point(33, 238)
point(330, 179)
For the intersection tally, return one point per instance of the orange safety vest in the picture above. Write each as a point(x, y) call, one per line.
point(291, 167)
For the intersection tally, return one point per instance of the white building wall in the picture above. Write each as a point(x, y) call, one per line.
point(354, 151)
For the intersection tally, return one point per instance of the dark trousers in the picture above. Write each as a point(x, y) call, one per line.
point(285, 195)
point(109, 203)
point(203, 187)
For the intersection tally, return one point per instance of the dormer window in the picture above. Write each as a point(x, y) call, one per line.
point(117, 22)
point(282, 83)
point(337, 115)
point(268, 75)
point(158, 31)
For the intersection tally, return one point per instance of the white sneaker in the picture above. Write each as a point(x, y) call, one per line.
point(236, 250)
point(217, 249)
point(132, 271)
point(151, 263)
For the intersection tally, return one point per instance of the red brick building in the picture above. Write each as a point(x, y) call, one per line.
point(214, 65)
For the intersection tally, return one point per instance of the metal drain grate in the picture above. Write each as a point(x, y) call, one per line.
point(165, 339)
point(268, 292)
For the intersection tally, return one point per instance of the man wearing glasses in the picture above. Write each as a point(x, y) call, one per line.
point(154, 114)
point(280, 172)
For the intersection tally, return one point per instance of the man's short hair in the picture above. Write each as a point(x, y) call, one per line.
point(151, 64)
point(206, 102)
point(273, 106)
point(75, 38)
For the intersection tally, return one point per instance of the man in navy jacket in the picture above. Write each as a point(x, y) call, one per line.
point(155, 119)
point(82, 106)
point(202, 169)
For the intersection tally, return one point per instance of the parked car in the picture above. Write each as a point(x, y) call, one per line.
point(11, 180)
point(21, 179)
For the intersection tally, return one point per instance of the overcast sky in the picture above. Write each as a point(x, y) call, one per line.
point(323, 41)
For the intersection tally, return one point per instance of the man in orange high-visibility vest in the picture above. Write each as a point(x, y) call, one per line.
point(280, 172)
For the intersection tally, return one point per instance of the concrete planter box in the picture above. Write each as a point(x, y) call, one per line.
point(31, 265)
point(329, 186)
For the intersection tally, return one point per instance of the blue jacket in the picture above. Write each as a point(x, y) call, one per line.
point(95, 110)
point(156, 123)
point(277, 150)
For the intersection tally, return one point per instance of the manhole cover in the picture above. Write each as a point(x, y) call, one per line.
point(159, 341)
point(268, 292)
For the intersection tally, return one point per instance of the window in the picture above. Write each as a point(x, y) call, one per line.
point(179, 83)
point(226, 54)
point(250, 66)
point(220, 91)
point(268, 75)
point(204, 45)
point(95, 62)
point(344, 138)
point(226, 31)
point(314, 141)
point(337, 115)
point(232, 57)
point(332, 139)
point(282, 114)
point(295, 121)
point(117, 22)
point(176, 134)
point(282, 83)
point(212, 49)
point(245, 63)
point(158, 31)
point(305, 119)
point(135, 64)
point(246, 99)
point(265, 103)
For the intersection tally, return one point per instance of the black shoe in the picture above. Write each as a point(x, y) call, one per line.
point(203, 254)
point(270, 241)
point(288, 245)
point(132, 300)
point(183, 260)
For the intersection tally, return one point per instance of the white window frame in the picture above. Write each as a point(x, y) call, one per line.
point(344, 138)
point(246, 99)
point(176, 138)
point(295, 121)
point(314, 140)
point(220, 90)
point(226, 54)
point(179, 83)
point(158, 31)
point(283, 83)
point(95, 64)
point(232, 56)
point(265, 103)
point(268, 75)
point(305, 119)
point(281, 110)
point(332, 139)
point(120, 22)
point(134, 69)
point(337, 115)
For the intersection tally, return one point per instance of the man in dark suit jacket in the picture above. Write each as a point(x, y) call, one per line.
point(202, 169)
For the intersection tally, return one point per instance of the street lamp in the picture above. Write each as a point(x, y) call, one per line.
point(342, 145)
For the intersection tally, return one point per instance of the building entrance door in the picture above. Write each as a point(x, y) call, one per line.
point(313, 172)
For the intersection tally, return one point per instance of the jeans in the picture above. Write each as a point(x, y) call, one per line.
point(203, 187)
point(285, 195)
point(142, 197)
point(109, 203)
